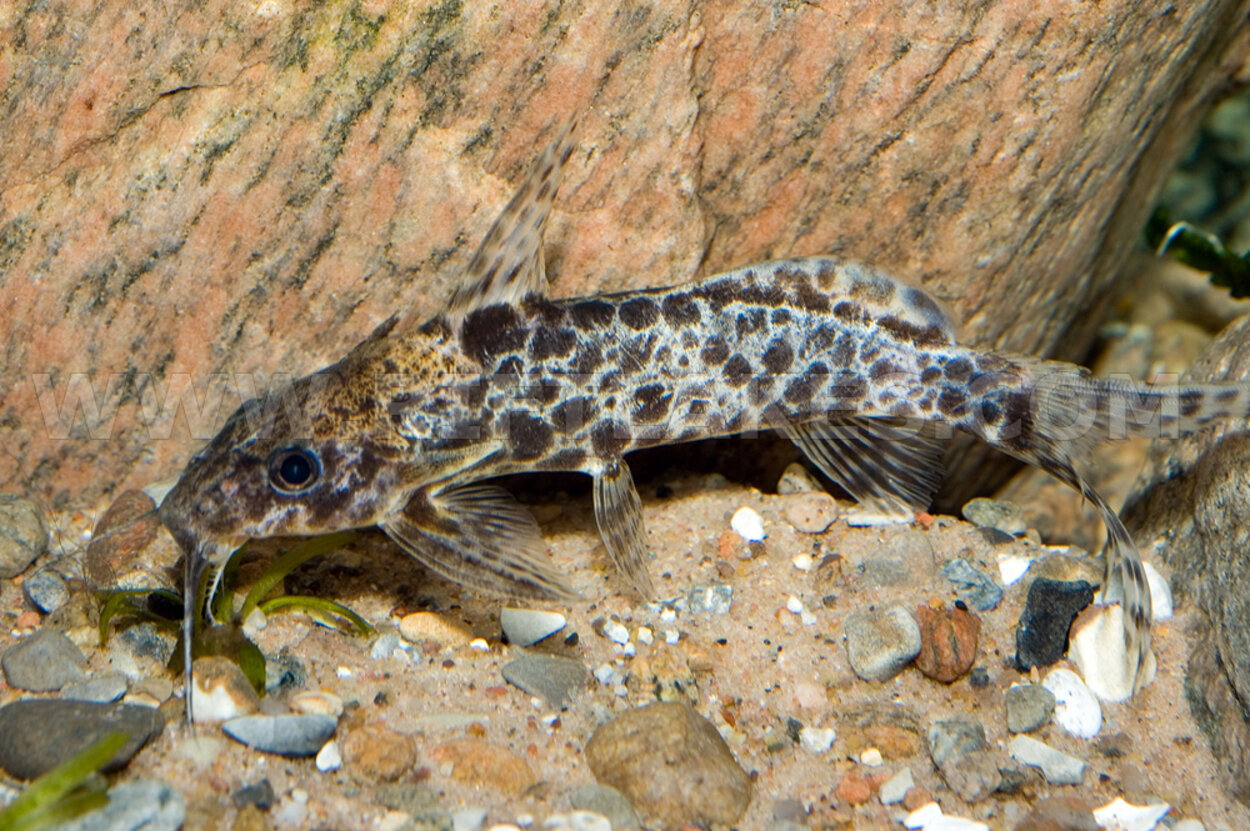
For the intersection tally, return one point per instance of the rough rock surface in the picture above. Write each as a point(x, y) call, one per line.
point(1191, 504)
point(193, 188)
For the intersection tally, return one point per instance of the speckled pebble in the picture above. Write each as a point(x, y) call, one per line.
point(553, 678)
point(375, 752)
point(294, 735)
point(481, 764)
point(607, 801)
point(526, 627)
point(713, 599)
point(797, 479)
point(23, 536)
point(1029, 707)
point(1042, 633)
point(958, 748)
point(810, 513)
point(880, 643)
point(46, 589)
point(999, 515)
point(43, 662)
point(1059, 768)
point(973, 586)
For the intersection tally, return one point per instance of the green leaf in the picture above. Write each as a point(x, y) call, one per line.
point(225, 587)
point(123, 603)
point(46, 800)
point(290, 561)
point(320, 608)
point(1201, 250)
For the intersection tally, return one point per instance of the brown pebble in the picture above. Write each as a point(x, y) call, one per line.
point(948, 642)
point(854, 789)
point(129, 548)
point(251, 818)
point(1059, 813)
point(435, 629)
point(916, 797)
point(376, 752)
point(670, 762)
point(484, 765)
point(810, 513)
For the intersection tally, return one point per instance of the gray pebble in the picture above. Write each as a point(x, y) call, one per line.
point(526, 627)
point(992, 513)
point(1058, 768)
point(468, 819)
point(142, 805)
point(955, 737)
point(46, 589)
point(607, 801)
point(259, 794)
point(958, 748)
point(1029, 707)
point(44, 662)
point(23, 536)
point(713, 599)
point(797, 479)
point(552, 678)
point(144, 640)
point(973, 586)
point(385, 646)
point(896, 787)
point(881, 643)
point(101, 689)
point(36, 735)
point(292, 735)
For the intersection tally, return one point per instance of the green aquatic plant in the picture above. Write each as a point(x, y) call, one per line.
point(69, 790)
point(1199, 249)
point(164, 608)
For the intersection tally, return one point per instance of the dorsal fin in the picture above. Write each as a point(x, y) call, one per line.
point(509, 263)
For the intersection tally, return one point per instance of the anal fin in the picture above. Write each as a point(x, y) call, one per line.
point(884, 463)
point(618, 513)
point(480, 537)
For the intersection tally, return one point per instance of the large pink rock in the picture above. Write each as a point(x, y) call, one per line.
point(193, 188)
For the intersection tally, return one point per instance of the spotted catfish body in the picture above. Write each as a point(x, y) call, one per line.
point(862, 372)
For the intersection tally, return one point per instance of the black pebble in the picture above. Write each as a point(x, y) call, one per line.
point(1042, 635)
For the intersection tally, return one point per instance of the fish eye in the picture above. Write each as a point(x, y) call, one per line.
point(293, 470)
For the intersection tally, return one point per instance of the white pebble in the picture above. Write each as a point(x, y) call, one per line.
point(930, 818)
point(526, 627)
point(343, 672)
point(645, 635)
point(807, 618)
point(1160, 594)
point(479, 644)
point(1076, 708)
point(1189, 825)
point(605, 674)
point(578, 821)
point(328, 757)
point(748, 524)
point(817, 739)
point(629, 650)
point(896, 787)
point(794, 605)
point(468, 819)
point(1119, 815)
point(1011, 567)
point(1096, 646)
point(871, 757)
point(668, 614)
point(803, 562)
point(671, 636)
point(616, 632)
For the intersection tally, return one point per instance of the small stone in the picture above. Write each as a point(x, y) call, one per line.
point(712, 599)
point(672, 763)
point(484, 765)
point(797, 479)
point(102, 689)
point(526, 627)
point(810, 513)
point(1124, 816)
point(1058, 768)
point(375, 752)
point(1042, 634)
point(325, 703)
point(748, 524)
point(1059, 813)
point(896, 787)
point(142, 804)
point(293, 735)
point(420, 627)
point(1160, 594)
point(616, 632)
point(23, 537)
point(817, 739)
point(220, 691)
point(608, 802)
point(328, 757)
point(871, 757)
point(259, 794)
point(1029, 707)
point(43, 662)
point(129, 548)
point(853, 789)
point(468, 819)
point(973, 586)
point(553, 678)
point(36, 735)
point(46, 589)
point(880, 643)
point(958, 748)
point(1098, 650)
point(929, 817)
point(577, 821)
point(999, 515)
point(1011, 567)
point(1076, 708)
point(948, 642)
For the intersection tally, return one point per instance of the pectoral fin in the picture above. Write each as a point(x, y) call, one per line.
point(879, 461)
point(478, 536)
point(618, 513)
